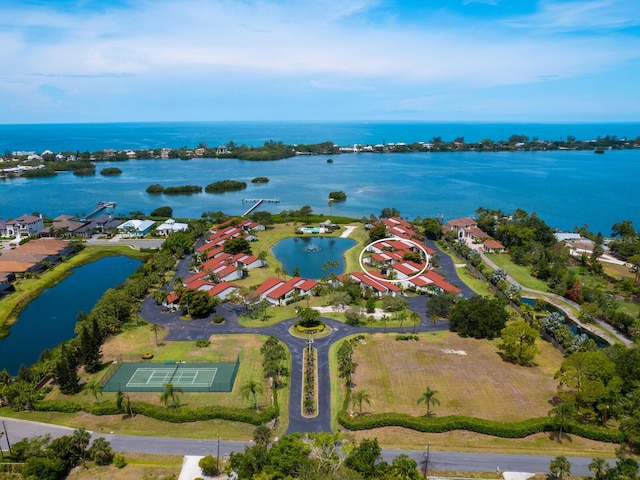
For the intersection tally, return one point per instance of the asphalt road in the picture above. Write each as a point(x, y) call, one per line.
point(19, 429)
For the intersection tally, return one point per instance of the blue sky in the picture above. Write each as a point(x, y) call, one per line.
point(376, 60)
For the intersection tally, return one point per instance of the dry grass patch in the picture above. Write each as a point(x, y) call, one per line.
point(476, 384)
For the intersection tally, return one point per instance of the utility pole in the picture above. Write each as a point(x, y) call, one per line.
point(7, 437)
point(1, 451)
point(426, 461)
point(218, 456)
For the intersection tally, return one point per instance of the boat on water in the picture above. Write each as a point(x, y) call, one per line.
point(599, 150)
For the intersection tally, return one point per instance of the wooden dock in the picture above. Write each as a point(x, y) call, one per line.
point(257, 202)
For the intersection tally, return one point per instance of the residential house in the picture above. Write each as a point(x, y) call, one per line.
point(23, 226)
point(379, 286)
point(281, 292)
point(136, 228)
point(493, 246)
point(171, 226)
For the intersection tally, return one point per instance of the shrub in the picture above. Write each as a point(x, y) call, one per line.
point(209, 466)
point(217, 318)
point(202, 343)
point(110, 171)
point(260, 180)
point(63, 406)
point(119, 461)
point(338, 196)
point(147, 356)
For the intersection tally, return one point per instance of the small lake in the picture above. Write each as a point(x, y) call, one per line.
point(310, 253)
point(51, 318)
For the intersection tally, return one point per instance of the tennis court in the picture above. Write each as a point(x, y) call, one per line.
point(190, 377)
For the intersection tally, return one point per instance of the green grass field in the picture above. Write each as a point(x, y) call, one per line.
point(521, 274)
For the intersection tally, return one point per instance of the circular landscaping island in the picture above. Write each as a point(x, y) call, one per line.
point(309, 325)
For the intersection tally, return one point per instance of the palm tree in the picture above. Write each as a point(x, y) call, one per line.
point(155, 329)
point(170, 394)
point(415, 320)
point(562, 413)
point(252, 388)
point(599, 468)
point(560, 466)
point(160, 296)
point(429, 398)
point(81, 439)
point(358, 398)
point(94, 387)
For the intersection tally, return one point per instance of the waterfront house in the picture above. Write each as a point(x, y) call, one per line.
point(136, 228)
point(23, 226)
point(171, 226)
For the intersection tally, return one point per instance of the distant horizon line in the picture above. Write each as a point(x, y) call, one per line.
point(414, 122)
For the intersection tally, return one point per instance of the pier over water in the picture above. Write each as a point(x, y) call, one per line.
point(257, 202)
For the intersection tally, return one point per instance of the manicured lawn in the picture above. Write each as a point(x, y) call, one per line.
point(521, 274)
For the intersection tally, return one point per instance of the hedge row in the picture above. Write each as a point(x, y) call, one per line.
point(488, 427)
point(159, 412)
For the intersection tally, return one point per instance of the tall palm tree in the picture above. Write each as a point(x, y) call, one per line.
point(562, 413)
point(415, 320)
point(94, 387)
point(81, 440)
point(252, 388)
point(170, 394)
point(155, 328)
point(429, 398)
point(358, 398)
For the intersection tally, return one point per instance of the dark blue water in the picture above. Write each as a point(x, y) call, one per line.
point(50, 319)
point(120, 136)
point(565, 188)
point(310, 253)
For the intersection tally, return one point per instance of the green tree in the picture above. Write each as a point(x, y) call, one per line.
point(170, 394)
point(209, 466)
point(251, 388)
point(179, 244)
point(233, 246)
point(309, 317)
point(478, 317)
point(404, 467)
point(519, 342)
point(428, 397)
point(378, 232)
point(101, 452)
point(196, 303)
point(66, 371)
point(588, 380)
point(365, 458)
point(165, 211)
point(305, 212)
point(560, 467)
point(432, 228)
point(562, 414)
point(358, 398)
point(440, 304)
point(94, 387)
point(81, 439)
point(599, 467)
point(262, 435)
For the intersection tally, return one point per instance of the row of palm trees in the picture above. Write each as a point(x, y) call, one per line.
point(428, 397)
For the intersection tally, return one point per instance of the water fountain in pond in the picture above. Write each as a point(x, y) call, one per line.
point(311, 249)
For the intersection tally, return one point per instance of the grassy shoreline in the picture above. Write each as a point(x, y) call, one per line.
point(29, 289)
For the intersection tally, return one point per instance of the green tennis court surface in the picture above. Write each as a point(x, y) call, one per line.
point(190, 377)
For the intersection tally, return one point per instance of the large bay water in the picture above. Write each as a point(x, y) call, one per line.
point(310, 253)
point(565, 188)
point(51, 318)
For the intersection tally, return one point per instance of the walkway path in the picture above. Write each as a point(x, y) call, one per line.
point(567, 306)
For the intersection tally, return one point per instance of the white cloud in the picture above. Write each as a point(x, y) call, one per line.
point(195, 46)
